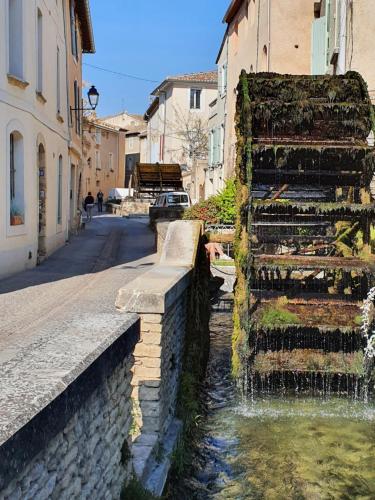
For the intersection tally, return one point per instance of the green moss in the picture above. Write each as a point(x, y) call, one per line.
point(125, 453)
point(276, 316)
point(358, 320)
point(135, 491)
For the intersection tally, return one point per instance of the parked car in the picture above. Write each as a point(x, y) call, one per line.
point(173, 199)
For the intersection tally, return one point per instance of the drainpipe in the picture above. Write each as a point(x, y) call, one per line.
point(165, 123)
point(269, 37)
point(341, 62)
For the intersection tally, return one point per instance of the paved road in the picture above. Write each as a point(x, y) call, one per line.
point(83, 276)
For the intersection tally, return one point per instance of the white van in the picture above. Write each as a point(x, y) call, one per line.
point(173, 199)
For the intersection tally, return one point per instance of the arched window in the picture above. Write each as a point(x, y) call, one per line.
point(15, 39)
point(59, 189)
point(39, 79)
point(16, 179)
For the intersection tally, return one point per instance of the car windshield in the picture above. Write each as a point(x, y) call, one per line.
point(177, 199)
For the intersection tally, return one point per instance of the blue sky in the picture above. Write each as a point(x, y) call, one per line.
point(151, 39)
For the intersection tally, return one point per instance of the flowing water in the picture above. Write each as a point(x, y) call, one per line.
point(278, 447)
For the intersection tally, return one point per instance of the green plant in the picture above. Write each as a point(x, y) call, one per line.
point(207, 211)
point(227, 202)
point(135, 491)
point(275, 316)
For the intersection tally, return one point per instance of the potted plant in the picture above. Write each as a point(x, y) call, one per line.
point(16, 216)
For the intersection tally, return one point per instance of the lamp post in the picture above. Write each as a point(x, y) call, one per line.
point(93, 97)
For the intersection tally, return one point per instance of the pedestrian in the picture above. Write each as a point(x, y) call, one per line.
point(89, 205)
point(100, 197)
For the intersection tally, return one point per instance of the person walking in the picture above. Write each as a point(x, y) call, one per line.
point(89, 204)
point(100, 197)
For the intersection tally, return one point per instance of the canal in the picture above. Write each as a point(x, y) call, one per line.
point(272, 447)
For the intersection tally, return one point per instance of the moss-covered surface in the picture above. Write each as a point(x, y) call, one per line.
point(135, 491)
point(309, 360)
point(310, 313)
point(302, 152)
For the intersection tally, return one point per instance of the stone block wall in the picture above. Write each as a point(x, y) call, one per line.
point(78, 446)
point(158, 365)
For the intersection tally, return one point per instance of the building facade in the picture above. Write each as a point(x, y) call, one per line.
point(79, 40)
point(263, 35)
point(35, 136)
point(177, 125)
point(103, 158)
point(135, 128)
point(342, 33)
point(215, 173)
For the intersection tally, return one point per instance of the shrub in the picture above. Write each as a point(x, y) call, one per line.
point(220, 208)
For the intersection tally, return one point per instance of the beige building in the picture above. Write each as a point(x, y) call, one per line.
point(263, 35)
point(177, 125)
point(135, 146)
point(103, 158)
point(79, 40)
point(34, 129)
point(342, 38)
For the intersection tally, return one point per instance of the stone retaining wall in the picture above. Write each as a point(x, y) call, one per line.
point(78, 445)
point(160, 297)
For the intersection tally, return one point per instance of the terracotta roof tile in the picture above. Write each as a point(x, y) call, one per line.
point(203, 76)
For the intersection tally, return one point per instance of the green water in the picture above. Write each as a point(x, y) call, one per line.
point(294, 449)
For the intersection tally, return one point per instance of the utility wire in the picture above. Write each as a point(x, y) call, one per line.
point(125, 75)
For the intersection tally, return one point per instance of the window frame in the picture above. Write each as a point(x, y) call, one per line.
point(194, 92)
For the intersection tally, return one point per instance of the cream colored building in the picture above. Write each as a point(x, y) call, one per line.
point(79, 40)
point(34, 130)
point(342, 35)
point(177, 125)
point(135, 142)
point(103, 158)
point(263, 35)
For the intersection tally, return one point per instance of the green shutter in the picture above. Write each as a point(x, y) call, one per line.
point(319, 46)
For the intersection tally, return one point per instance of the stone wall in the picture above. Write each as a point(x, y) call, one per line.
point(78, 445)
point(161, 298)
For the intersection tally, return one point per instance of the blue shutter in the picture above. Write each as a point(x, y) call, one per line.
point(319, 46)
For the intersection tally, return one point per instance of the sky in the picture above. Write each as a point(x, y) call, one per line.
point(151, 39)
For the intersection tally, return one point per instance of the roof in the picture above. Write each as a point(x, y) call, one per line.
point(135, 129)
point(222, 45)
point(135, 116)
point(84, 17)
point(232, 10)
point(151, 110)
point(209, 77)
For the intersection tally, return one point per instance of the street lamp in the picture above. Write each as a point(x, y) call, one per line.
point(93, 97)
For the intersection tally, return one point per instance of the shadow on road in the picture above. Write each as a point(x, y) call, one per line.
point(108, 241)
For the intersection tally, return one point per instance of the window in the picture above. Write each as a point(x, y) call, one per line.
point(195, 98)
point(211, 154)
point(39, 76)
point(58, 91)
point(110, 161)
point(16, 179)
point(59, 190)
point(15, 41)
point(223, 79)
point(221, 153)
point(98, 136)
point(73, 29)
point(97, 160)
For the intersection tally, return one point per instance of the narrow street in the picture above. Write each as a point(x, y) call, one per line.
point(84, 275)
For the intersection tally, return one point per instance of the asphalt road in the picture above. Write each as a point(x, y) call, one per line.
point(82, 277)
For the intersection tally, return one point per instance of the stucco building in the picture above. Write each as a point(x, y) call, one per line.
point(263, 35)
point(135, 127)
point(35, 137)
point(177, 125)
point(103, 158)
point(342, 35)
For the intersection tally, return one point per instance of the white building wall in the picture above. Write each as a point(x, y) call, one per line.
point(35, 117)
